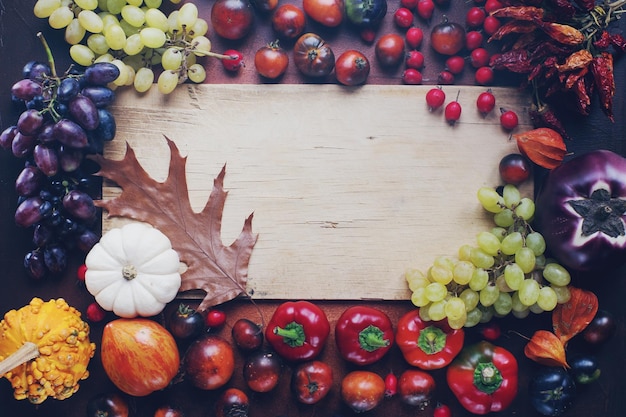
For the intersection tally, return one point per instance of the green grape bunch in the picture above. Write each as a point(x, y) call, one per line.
point(136, 36)
point(504, 272)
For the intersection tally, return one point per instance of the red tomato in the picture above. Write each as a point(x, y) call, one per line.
point(312, 56)
point(390, 49)
point(312, 381)
point(327, 12)
point(232, 19)
point(168, 411)
point(264, 5)
point(271, 61)
point(288, 21)
point(362, 390)
point(415, 387)
point(209, 362)
point(447, 38)
point(138, 355)
point(352, 68)
point(111, 404)
point(232, 402)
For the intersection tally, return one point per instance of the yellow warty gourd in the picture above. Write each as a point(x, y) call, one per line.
point(56, 340)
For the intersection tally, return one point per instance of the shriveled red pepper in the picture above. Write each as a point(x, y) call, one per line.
point(298, 330)
point(363, 334)
point(484, 378)
point(427, 345)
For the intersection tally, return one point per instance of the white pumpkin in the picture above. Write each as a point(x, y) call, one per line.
point(133, 271)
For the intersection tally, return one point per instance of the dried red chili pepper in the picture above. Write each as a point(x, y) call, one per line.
point(546, 348)
point(602, 69)
point(587, 5)
point(544, 146)
point(528, 13)
point(618, 41)
point(583, 96)
point(577, 60)
point(544, 116)
point(565, 34)
point(513, 27)
point(572, 317)
point(604, 41)
point(563, 8)
point(514, 61)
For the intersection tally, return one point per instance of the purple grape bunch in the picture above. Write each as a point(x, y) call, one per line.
point(63, 119)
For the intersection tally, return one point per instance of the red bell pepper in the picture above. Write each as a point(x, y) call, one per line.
point(363, 334)
point(298, 330)
point(427, 345)
point(484, 378)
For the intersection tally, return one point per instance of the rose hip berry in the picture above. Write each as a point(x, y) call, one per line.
point(236, 61)
point(452, 112)
point(485, 102)
point(514, 169)
point(479, 57)
point(455, 64)
point(412, 76)
point(403, 17)
point(473, 39)
point(414, 59)
point(425, 9)
point(442, 410)
point(409, 4)
point(484, 76)
point(414, 37)
point(391, 385)
point(215, 318)
point(80, 272)
point(435, 97)
point(95, 313)
point(475, 17)
point(491, 25)
point(445, 77)
point(493, 5)
point(508, 119)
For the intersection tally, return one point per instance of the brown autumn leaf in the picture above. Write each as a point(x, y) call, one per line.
point(221, 271)
point(544, 146)
point(571, 318)
point(546, 348)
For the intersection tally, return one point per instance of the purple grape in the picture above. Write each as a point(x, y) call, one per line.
point(26, 89)
point(42, 235)
point(79, 205)
point(28, 212)
point(70, 133)
point(30, 122)
point(36, 70)
point(55, 258)
point(37, 103)
point(84, 112)
point(7, 136)
point(107, 127)
point(101, 73)
point(68, 89)
point(23, 145)
point(86, 240)
point(35, 265)
point(100, 95)
point(70, 158)
point(29, 181)
point(46, 159)
point(46, 134)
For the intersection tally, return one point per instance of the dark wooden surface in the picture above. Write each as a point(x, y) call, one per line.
point(18, 44)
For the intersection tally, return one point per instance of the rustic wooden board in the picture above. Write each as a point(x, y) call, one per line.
point(348, 187)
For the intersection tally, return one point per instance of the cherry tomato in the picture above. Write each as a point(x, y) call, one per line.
point(209, 362)
point(168, 411)
point(362, 390)
point(215, 318)
point(108, 404)
point(508, 119)
point(455, 64)
point(389, 49)
point(452, 112)
point(600, 329)
point(479, 57)
point(415, 387)
point(425, 9)
point(271, 61)
point(491, 331)
point(403, 17)
point(262, 370)
point(313, 57)
point(185, 322)
point(232, 19)
point(232, 402)
point(247, 335)
point(414, 37)
point(447, 38)
point(352, 68)
point(486, 102)
point(327, 12)
point(514, 169)
point(475, 17)
point(484, 76)
point(311, 381)
point(435, 97)
point(473, 39)
point(264, 5)
point(412, 76)
point(288, 21)
point(414, 59)
point(235, 62)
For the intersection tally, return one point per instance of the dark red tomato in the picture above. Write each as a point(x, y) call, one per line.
point(209, 362)
point(311, 381)
point(247, 335)
point(264, 5)
point(232, 19)
point(415, 387)
point(262, 370)
point(108, 404)
point(352, 68)
point(288, 21)
point(327, 12)
point(185, 322)
point(514, 169)
point(447, 38)
point(271, 61)
point(232, 402)
point(600, 329)
point(313, 57)
point(362, 390)
point(168, 411)
point(389, 49)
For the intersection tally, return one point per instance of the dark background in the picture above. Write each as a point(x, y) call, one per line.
point(19, 44)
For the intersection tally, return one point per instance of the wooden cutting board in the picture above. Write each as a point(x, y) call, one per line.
point(349, 186)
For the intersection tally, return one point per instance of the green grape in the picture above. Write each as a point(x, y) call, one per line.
point(199, 28)
point(115, 37)
point(488, 242)
point(470, 299)
point(130, 75)
point(153, 38)
point(556, 274)
point(104, 58)
point(465, 252)
point(486, 313)
point(156, 19)
point(102, 5)
point(87, 4)
point(490, 199)
point(136, 62)
point(528, 292)
point(115, 6)
point(415, 279)
point(547, 299)
point(521, 314)
point(436, 291)
point(512, 243)
point(123, 78)
point(511, 195)
point(502, 285)
point(503, 304)
point(562, 294)
point(455, 309)
point(516, 304)
point(134, 2)
point(473, 317)
point(481, 259)
point(191, 59)
point(513, 276)
point(479, 280)
point(423, 312)
point(61, 17)
point(526, 209)
point(504, 218)
point(418, 297)
point(499, 232)
point(187, 15)
point(153, 4)
point(525, 258)
point(463, 272)
point(489, 295)
point(175, 1)
point(457, 323)
point(535, 308)
point(445, 262)
point(441, 274)
point(107, 20)
point(133, 45)
point(437, 310)
point(90, 21)
point(82, 55)
point(44, 8)
point(97, 43)
point(172, 59)
point(540, 262)
point(536, 242)
point(74, 32)
point(133, 15)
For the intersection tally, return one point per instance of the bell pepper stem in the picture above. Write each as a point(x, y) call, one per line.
point(372, 338)
point(487, 377)
point(292, 334)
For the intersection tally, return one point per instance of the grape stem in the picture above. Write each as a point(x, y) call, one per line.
point(48, 54)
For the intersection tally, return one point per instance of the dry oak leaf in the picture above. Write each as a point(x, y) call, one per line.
point(221, 271)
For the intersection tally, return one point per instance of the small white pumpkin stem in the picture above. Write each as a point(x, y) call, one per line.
point(27, 352)
point(129, 272)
